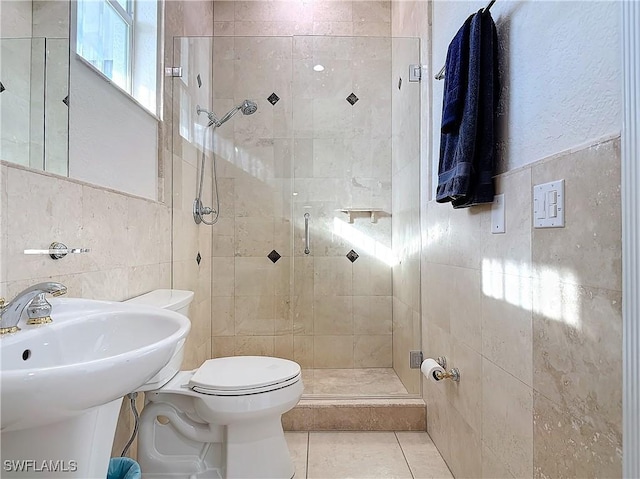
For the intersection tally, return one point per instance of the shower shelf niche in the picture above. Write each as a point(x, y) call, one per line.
point(373, 214)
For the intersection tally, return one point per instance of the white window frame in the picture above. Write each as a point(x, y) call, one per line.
point(152, 107)
point(127, 17)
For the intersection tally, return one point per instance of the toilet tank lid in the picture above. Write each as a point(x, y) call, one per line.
point(172, 299)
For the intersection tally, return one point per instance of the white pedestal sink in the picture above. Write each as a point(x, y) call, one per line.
point(62, 383)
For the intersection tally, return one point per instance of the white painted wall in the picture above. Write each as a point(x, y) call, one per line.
point(112, 140)
point(560, 72)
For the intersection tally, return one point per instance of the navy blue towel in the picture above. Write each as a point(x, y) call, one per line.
point(467, 146)
point(457, 146)
point(481, 186)
point(455, 83)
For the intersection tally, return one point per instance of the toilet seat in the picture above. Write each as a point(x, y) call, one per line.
point(244, 375)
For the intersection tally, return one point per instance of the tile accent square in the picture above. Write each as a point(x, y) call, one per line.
point(2, 88)
point(199, 81)
point(65, 100)
point(198, 258)
point(273, 98)
point(352, 256)
point(274, 256)
point(352, 98)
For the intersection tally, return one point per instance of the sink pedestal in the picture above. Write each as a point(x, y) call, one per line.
point(78, 447)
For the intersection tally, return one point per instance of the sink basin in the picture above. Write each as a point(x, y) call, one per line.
point(93, 353)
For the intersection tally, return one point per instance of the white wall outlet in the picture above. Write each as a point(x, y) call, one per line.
point(548, 205)
point(497, 215)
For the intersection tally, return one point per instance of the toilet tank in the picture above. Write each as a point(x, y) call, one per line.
point(175, 300)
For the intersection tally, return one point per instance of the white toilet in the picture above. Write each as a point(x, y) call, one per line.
point(222, 420)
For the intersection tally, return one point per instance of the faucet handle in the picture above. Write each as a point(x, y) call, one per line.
point(2, 301)
point(39, 310)
point(57, 250)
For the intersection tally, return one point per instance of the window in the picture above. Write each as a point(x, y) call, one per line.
point(120, 39)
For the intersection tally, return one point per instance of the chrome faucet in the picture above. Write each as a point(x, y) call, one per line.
point(38, 308)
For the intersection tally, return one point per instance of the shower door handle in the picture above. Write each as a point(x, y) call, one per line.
point(306, 233)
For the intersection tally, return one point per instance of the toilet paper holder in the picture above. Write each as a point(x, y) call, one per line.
point(453, 374)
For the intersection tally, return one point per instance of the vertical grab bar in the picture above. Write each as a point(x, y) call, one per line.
point(306, 233)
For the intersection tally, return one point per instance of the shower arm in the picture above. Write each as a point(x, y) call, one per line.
point(229, 115)
point(213, 119)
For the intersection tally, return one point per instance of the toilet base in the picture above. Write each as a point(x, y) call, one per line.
point(258, 449)
point(255, 449)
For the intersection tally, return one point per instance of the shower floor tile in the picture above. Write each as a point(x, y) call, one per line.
point(352, 382)
point(370, 455)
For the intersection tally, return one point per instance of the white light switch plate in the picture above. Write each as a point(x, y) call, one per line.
point(548, 205)
point(497, 214)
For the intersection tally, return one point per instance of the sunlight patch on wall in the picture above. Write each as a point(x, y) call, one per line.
point(363, 242)
point(558, 296)
point(552, 292)
point(238, 157)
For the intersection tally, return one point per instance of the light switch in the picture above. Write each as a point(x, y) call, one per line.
point(540, 208)
point(497, 215)
point(548, 205)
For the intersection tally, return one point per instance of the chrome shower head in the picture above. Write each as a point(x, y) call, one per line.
point(248, 107)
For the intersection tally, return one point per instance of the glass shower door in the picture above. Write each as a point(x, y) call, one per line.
point(342, 213)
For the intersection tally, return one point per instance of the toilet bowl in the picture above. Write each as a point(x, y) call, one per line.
point(222, 420)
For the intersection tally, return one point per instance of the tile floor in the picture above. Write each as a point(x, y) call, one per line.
point(352, 382)
point(365, 455)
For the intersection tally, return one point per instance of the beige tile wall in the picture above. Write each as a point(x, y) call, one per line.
point(130, 250)
point(320, 310)
point(533, 320)
point(302, 17)
point(532, 317)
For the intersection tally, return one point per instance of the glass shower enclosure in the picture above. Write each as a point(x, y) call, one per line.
point(318, 199)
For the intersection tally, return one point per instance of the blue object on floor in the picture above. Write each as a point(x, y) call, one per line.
point(123, 468)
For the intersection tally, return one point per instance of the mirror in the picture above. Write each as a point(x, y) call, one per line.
point(65, 112)
point(34, 84)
